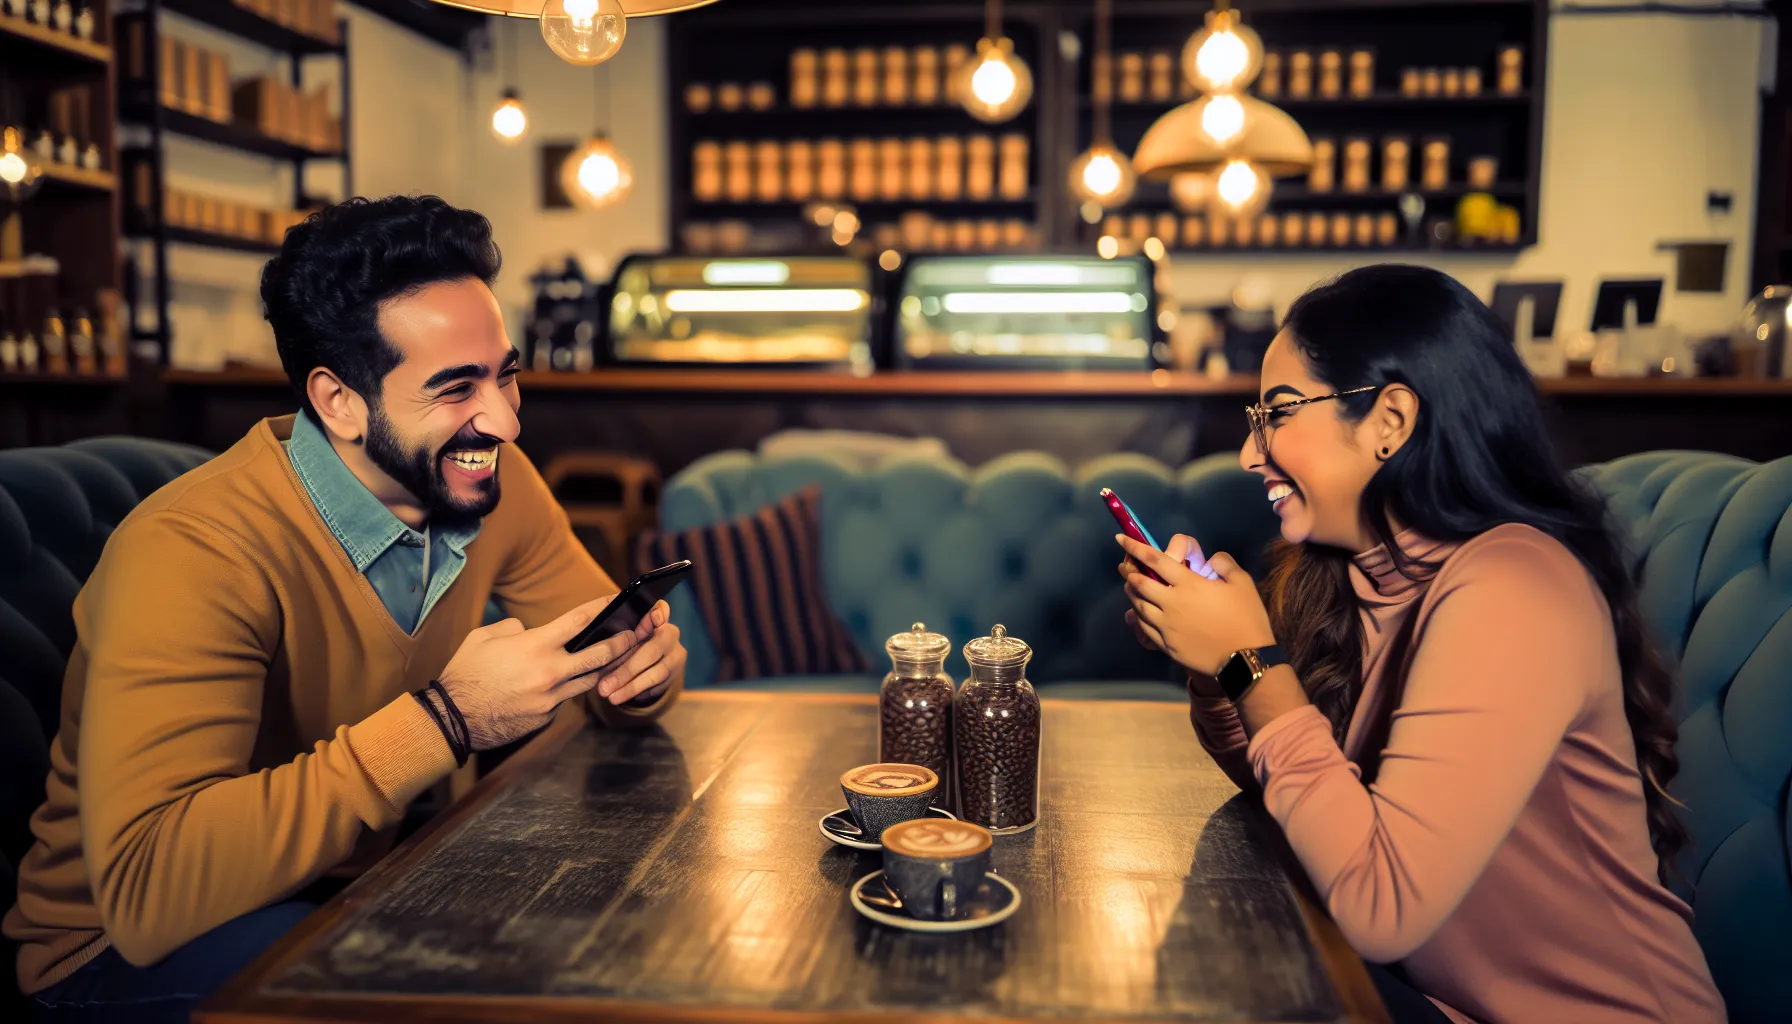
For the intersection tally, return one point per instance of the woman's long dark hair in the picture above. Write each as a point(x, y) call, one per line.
point(1478, 458)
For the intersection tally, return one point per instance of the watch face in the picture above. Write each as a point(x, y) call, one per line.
point(1237, 676)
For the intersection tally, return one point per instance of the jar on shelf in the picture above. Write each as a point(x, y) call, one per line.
point(1300, 74)
point(1396, 163)
point(1511, 70)
point(980, 167)
point(1362, 72)
point(995, 719)
point(914, 721)
point(896, 77)
point(926, 63)
point(836, 83)
point(1331, 74)
point(805, 78)
point(1269, 79)
point(1161, 80)
point(866, 84)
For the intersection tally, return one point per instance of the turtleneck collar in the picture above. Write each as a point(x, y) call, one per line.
point(1377, 576)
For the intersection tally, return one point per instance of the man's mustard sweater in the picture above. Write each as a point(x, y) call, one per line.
point(236, 714)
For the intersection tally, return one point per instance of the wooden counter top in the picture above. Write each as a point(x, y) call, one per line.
point(901, 384)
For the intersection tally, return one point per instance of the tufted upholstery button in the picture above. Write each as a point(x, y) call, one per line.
point(910, 563)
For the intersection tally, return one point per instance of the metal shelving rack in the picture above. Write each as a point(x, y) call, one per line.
point(140, 103)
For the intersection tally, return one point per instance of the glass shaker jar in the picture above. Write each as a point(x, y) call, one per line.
point(914, 722)
point(996, 718)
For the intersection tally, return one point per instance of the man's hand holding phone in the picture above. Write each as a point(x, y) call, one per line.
point(507, 681)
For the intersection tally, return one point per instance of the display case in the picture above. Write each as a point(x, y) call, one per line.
point(813, 311)
point(1043, 313)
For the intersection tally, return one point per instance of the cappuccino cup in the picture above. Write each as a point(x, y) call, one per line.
point(880, 795)
point(936, 865)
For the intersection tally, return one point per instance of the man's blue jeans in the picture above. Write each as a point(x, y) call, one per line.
point(109, 990)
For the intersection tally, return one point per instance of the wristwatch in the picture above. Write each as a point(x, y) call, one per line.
point(1246, 666)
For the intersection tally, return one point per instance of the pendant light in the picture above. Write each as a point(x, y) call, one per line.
point(579, 31)
point(584, 32)
point(995, 85)
point(1225, 56)
point(1236, 144)
point(596, 174)
point(1102, 176)
point(21, 172)
point(509, 121)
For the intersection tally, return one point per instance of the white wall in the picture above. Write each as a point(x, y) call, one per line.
point(1644, 114)
point(408, 129)
point(562, 103)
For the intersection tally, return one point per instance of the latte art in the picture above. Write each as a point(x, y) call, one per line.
point(934, 838)
point(889, 779)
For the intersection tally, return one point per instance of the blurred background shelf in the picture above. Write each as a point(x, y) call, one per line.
point(218, 133)
point(23, 42)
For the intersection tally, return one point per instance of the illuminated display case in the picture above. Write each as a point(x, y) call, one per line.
point(1044, 313)
point(798, 311)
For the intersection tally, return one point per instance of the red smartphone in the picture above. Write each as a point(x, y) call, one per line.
point(1130, 525)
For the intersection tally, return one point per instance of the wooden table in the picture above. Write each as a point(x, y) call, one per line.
point(678, 874)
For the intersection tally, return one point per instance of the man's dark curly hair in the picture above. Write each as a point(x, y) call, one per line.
point(322, 293)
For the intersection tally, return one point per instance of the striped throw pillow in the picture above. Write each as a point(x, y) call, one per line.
point(757, 583)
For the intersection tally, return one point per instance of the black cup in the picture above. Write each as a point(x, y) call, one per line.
point(875, 812)
point(936, 888)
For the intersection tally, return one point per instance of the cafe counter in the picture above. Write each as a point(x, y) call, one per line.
point(676, 415)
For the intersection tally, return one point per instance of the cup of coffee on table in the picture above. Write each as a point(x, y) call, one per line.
point(936, 865)
point(880, 795)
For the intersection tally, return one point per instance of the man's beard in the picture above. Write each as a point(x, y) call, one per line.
point(419, 471)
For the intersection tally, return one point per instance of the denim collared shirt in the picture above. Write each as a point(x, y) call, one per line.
point(393, 557)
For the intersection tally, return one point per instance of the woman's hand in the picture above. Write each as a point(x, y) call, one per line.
point(1196, 621)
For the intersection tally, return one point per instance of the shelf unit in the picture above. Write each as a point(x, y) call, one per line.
point(1402, 34)
point(753, 43)
point(726, 42)
point(140, 103)
point(52, 79)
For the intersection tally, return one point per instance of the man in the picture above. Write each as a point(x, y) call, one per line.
point(277, 651)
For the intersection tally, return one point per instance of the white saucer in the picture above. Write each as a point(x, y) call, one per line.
point(995, 902)
point(843, 829)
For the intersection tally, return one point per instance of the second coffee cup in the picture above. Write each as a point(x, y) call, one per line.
point(880, 795)
point(936, 867)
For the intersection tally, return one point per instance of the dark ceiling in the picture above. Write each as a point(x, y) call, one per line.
point(448, 26)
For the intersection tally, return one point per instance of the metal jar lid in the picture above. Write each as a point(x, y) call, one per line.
point(997, 650)
point(918, 645)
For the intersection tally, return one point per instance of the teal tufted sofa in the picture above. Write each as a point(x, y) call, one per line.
point(1023, 540)
point(1715, 537)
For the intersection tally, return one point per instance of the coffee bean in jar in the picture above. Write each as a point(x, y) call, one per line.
point(995, 721)
point(914, 723)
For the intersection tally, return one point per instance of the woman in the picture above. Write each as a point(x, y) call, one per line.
point(1464, 732)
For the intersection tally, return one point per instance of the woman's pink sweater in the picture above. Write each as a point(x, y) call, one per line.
point(1502, 853)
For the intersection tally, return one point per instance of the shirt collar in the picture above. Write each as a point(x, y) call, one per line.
point(361, 522)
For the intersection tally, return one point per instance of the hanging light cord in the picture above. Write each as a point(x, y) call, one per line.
point(601, 105)
point(1103, 66)
point(510, 48)
point(992, 14)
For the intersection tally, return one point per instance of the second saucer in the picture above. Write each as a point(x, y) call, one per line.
point(840, 829)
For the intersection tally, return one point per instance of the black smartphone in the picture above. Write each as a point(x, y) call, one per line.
point(629, 607)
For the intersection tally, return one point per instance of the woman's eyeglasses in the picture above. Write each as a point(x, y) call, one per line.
point(1259, 414)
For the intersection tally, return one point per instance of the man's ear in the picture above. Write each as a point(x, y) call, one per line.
point(343, 411)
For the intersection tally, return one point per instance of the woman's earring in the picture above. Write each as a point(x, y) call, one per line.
point(1385, 452)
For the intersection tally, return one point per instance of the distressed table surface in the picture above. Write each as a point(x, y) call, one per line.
point(678, 874)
